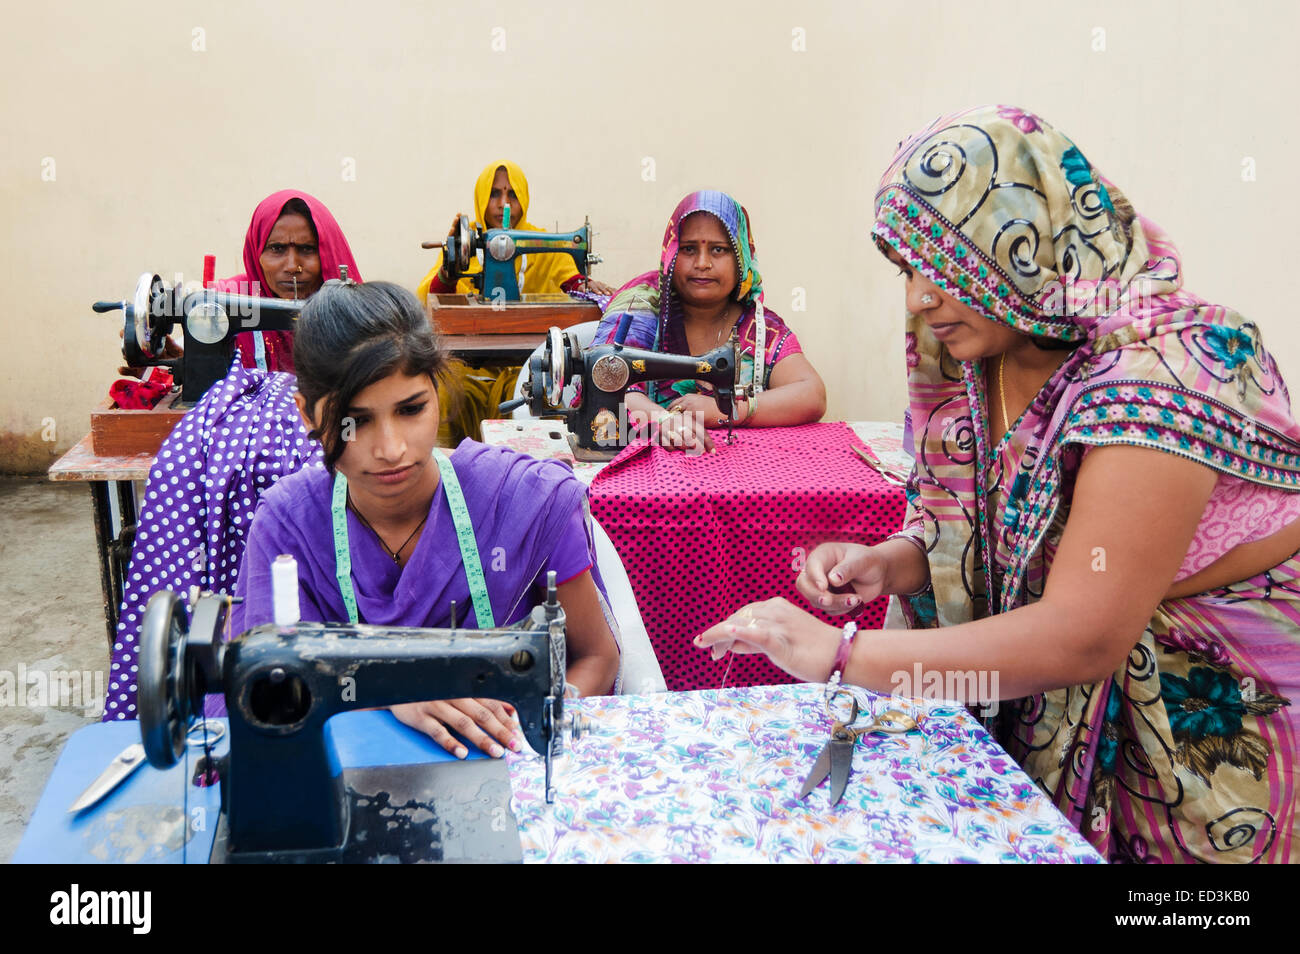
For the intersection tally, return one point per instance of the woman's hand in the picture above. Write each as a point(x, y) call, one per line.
point(487, 723)
point(171, 351)
point(792, 638)
point(840, 577)
point(685, 431)
point(597, 287)
point(706, 408)
point(700, 405)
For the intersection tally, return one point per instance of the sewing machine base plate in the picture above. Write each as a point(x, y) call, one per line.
point(592, 454)
point(442, 812)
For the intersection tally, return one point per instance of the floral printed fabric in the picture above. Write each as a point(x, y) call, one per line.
point(713, 776)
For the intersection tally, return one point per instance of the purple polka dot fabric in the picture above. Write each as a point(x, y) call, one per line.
point(234, 444)
point(702, 536)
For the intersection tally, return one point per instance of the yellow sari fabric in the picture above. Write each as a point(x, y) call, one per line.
point(544, 274)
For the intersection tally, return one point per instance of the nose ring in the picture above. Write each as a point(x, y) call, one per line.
point(927, 299)
point(299, 268)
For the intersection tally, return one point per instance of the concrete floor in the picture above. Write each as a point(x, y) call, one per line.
point(51, 620)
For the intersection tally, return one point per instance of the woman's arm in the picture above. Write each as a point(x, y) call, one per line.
point(796, 396)
point(593, 655)
point(1133, 517)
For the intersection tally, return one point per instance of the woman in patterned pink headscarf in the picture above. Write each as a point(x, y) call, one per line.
point(1104, 512)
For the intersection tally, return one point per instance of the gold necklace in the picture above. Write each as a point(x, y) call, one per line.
point(727, 325)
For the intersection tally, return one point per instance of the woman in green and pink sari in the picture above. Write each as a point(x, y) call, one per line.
point(1105, 509)
point(706, 287)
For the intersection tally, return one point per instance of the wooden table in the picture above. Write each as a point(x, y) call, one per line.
point(112, 483)
point(493, 349)
point(478, 332)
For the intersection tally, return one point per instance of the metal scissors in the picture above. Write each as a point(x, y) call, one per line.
point(132, 757)
point(837, 755)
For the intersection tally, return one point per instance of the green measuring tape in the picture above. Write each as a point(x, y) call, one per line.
point(464, 536)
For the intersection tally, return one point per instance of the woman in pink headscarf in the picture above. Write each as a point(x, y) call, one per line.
point(241, 437)
point(293, 246)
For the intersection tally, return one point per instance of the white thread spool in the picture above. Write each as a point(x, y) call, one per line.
point(284, 590)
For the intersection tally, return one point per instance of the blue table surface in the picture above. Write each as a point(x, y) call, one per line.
point(139, 821)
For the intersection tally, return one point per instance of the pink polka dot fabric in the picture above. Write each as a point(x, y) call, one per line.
point(237, 441)
point(702, 536)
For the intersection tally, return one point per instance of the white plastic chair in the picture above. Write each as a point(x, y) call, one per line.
point(638, 668)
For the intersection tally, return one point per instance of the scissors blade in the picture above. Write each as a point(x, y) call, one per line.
point(821, 768)
point(841, 754)
point(126, 762)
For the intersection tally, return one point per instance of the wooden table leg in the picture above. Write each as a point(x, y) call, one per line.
point(113, 539)
point(103, 518)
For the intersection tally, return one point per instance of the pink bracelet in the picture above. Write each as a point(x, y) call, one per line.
point(842, 657)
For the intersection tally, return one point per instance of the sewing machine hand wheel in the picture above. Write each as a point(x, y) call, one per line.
point(555, 367)
point(163, 697)
point(142, 336)
point(463, 247)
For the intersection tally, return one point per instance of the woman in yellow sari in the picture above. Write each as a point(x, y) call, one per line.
point(501, 186)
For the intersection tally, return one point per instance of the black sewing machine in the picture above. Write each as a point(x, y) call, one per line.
point(210, 320)
point(497, 281)
point(598, 426)
point(282, 799)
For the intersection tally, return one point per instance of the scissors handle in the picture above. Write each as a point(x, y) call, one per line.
point(853, 711)
point(892, 722)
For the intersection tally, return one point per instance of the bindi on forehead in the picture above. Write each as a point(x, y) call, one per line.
point(702, 227)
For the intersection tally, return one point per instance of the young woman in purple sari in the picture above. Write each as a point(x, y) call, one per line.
point(391, 503)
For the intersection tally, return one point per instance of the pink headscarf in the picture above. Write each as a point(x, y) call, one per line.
point(334, 251)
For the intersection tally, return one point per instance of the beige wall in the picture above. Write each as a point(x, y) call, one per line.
point(159, 151)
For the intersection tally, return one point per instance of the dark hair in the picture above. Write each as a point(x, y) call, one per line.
point(296, 206)
point(350, 336)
